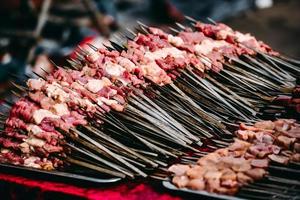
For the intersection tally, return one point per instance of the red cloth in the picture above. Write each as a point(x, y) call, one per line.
point(122, 191)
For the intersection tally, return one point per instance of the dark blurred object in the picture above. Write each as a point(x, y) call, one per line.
point(49, 27)
point(170, 11)
point(277, 26)
point(215, 9)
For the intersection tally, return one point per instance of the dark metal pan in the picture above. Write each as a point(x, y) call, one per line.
point(204, 194)
point(75, 178)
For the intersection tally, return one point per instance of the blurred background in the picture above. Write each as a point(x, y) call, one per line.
point(36, 33)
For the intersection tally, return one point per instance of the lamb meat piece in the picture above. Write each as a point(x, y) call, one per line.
point(240, 164)
point(126, 63)
point(47, 103)
point(36, 96)
point(33, 162)
point(47, 125)
point(196, 184)
point(222, 152)
point(180, 181)
point(159, 32)
point(16, 123)
point(196, 172)
point(52, 149)
point(63, 75)
point(249, 128)
point(74, 119)
point(179, 169)
point(209, 159)
point(229, 183)
point(49, 137)
point(238, 154)
point(237, 164)
point(287, 153)
point(228, 174)
point(239, 145)
point(13, 133)
point(243, 179)
point(264, 137)
point(285, 141)
point(261, 150)
point(279, 159)
point(275, 149)
point(295, 157)
point(191, 37)
point(249, 156)
point(246, 135)
point(36, 84)
point(11, 157)
point(282, 125)
point(170, 63)
point(296, 147)
point(256, 173)
point(227, 190)
point(55, 162)
point(24, 109)
point(41, 152)
point(8, 143)
point(261, 163)
point(229, 51)
point(294, 132)
point(153, 42)
point(268, 125)
point(212, 175)
point(213, 184)
point(254, 129)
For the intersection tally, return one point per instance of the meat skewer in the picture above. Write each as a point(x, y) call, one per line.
point(85, 104)
point(244, 161)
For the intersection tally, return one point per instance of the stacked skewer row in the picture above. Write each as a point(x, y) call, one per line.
point(246, 160)
point(126, 109)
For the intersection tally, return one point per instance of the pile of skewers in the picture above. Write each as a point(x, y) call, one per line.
point(246, 160)
point(126, 109)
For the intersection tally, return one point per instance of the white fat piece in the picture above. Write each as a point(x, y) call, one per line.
point(34, 129)
point(153, 72)
point(177, 41)
point(82, 102)
point(164, 52)
point(30, 162)
point(64, 83)
point(222, 34)
point(95, 85)
point(55, 91)
point(93, 57)
point(60, 109)
point(113, 69)
point(40, 114)
point(207, 46)
point(151, 69)
point(87, 71)
point(35, 142)
point(108, 102)
point(126, 63)
point(243, 37)
point(35, 84)
point(24, 147)
point(77, 85)
point(99, 102)
point(4, 150)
